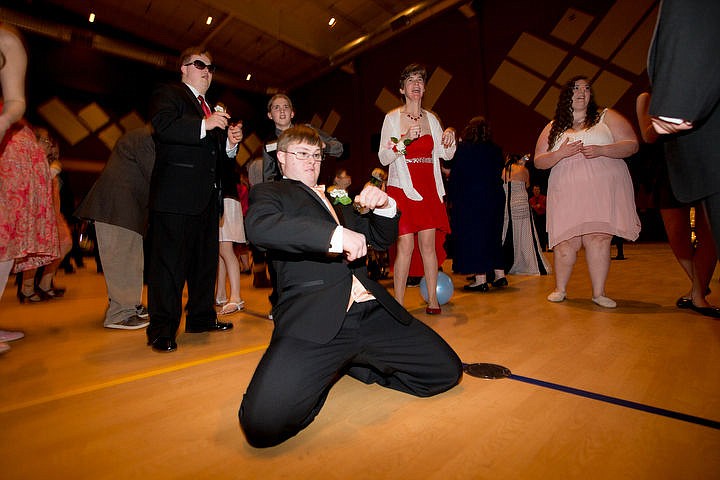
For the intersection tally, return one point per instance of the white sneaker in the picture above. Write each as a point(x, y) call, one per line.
point(556, 296)
point(8, 336)
point(604, 301)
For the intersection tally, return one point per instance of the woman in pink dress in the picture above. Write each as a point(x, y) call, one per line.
point(28, 234)
point(45, 289)
point(412, 142)
point(590, 194)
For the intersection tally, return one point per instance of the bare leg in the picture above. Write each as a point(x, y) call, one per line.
point(426, 243)
point(597, 253)
point(220, 292)
point(28, 282)
point(704, 259)
point(46, 282)
point(405, 246)
point(232, 265)
point(677, 227)
point(5, 269)
point(565, 256)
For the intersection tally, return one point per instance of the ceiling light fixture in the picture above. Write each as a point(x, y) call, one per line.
point(249, 76)
point(332, 21)
point(91, 18)
point(208, 21)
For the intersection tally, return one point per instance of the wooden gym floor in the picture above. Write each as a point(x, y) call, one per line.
point(79, 401)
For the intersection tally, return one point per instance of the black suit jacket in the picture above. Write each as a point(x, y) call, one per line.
point(186, 173)
point(293, 224)
point(685, 76)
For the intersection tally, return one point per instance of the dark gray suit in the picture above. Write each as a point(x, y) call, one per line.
point(120, 195)
point(685, 76)
point(316, 339)
point(118, 204)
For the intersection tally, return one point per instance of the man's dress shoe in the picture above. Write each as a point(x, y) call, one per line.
point(213, 327)
point(163, 344)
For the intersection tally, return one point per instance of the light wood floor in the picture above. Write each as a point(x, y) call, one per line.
point(82, 402)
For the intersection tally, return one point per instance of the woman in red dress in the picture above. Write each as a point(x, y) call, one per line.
point(412, 143)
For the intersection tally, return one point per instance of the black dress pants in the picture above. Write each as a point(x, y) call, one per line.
point(184, 248)
point(294, 376)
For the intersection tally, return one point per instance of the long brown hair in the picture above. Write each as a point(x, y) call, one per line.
point(564, 111)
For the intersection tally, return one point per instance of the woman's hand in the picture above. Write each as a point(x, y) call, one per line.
point(568, 148)
point(413, 133)
point(448, 137)
point(592, 151)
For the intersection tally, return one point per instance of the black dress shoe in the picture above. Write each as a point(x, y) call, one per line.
point(163, 344)
point(713, 312)
point(480, 287)
point(213, 327)
point(34, 297)
point(50, 294)
point(684, 302)
point(500, 282)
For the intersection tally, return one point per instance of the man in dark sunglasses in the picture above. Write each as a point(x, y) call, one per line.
point(193, 145)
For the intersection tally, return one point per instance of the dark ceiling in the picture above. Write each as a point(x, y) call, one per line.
point(279, 44)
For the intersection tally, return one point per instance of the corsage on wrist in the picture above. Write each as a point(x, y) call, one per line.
point(399, 146)
point(340, 196)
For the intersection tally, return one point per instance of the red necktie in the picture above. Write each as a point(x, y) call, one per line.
point(204, 106)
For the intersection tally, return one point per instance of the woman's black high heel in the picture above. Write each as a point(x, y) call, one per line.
point(32, 298)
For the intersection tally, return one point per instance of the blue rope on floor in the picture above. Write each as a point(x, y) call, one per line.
point(618, 401)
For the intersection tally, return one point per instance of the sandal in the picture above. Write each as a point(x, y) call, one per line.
point(232, 307)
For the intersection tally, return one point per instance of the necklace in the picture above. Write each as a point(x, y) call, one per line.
point(413, 117)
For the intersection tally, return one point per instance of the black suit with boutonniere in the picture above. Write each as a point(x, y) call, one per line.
point(320, 335)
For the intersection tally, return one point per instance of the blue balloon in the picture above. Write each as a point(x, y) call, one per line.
point(444, 288)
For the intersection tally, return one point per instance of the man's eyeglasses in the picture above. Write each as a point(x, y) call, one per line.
point(304, 156)
point(200, 65)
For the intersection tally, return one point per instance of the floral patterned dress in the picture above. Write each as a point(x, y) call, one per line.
point(28, 230)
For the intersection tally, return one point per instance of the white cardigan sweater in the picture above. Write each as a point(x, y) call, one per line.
point(398, 173)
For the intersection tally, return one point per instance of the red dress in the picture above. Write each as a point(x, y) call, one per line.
point(28, 230)
point(428, 213)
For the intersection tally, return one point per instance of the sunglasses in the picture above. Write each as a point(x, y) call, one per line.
point(202, 66)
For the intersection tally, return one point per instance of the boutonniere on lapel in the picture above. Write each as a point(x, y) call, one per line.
point(340, 196)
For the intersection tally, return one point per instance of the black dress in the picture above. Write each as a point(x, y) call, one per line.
point(477, 197)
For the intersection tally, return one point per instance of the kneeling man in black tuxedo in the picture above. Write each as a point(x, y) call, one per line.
point(330, 318)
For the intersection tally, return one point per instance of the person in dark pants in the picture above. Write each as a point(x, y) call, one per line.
point(330, 318)
point(684, 74)
point(185, 196)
